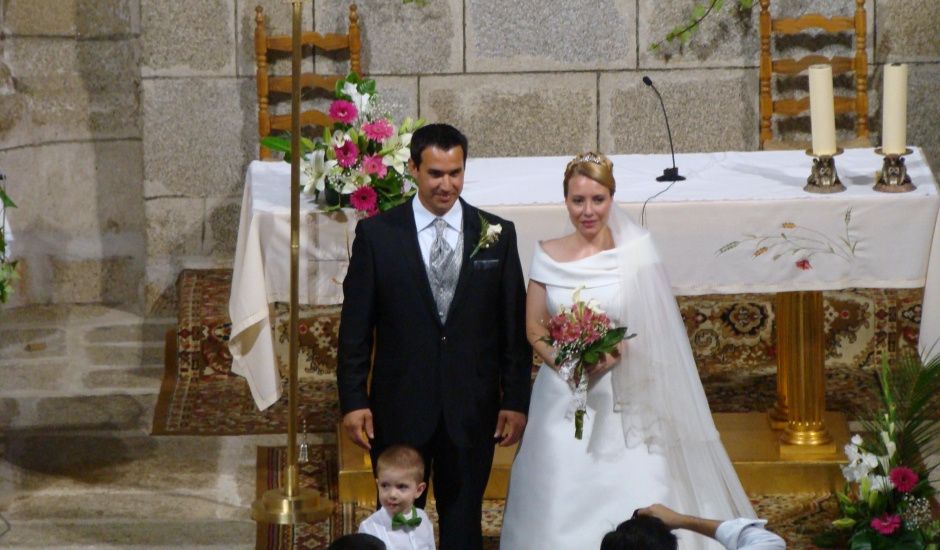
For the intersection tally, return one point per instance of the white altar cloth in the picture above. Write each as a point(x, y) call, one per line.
point(741, 222)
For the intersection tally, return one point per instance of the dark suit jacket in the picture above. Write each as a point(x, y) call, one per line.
point(467, 369)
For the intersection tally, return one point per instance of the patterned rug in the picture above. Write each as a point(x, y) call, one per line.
point(797, 518)
point(732, 338)
point(201, 396)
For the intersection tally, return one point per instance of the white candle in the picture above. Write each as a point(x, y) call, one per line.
point(822, 110)
point(894, 110)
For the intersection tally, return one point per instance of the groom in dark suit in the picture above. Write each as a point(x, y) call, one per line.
point(434, 303)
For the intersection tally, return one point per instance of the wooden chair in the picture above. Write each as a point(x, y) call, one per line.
point(773, 29)
point(268, 85)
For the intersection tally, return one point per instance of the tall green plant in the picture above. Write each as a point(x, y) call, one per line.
point(8, 272)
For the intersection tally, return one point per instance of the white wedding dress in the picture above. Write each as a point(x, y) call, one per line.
point(648, 437)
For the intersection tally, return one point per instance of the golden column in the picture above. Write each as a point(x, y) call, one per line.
point(291, 504)
point(800, 348)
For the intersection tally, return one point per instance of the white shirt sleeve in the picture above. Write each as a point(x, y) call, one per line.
point(748, 534)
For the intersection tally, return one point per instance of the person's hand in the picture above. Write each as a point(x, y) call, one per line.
point(509, 427)
point(671, 518)
point(358, 426)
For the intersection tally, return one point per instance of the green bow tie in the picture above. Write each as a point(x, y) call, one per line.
point(399, 520)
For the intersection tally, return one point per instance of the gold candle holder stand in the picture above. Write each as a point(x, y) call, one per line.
point(291, 504)
point(823, 178)
point(893, 176)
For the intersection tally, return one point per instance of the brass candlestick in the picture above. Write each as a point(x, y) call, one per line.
point(290, 504)
point(824, 178)
point(893, 176)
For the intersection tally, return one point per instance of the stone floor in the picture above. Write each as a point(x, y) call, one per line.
point(78, 468)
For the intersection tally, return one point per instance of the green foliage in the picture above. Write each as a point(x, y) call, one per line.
point(683, 33)
point(282, 144)
point(8, 274)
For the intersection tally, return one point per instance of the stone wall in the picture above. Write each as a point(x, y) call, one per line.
point(131, 122)
point(70, 147)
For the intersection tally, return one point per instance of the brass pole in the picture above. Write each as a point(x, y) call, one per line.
point(290, 483)
point(290, 504)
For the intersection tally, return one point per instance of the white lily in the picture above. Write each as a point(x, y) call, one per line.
point(400, 152)
point(881, 484)
point(339, 138)
point(890, 446)
point(315, 170)
point(851, 452)
point(352, 180)
point(856, 440)
point(363, 102)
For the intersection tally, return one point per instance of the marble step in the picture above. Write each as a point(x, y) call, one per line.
point(139, 535)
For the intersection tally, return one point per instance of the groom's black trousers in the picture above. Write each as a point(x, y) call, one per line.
point(459, 475)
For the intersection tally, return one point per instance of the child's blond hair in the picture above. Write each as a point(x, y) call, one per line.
point(404, 457)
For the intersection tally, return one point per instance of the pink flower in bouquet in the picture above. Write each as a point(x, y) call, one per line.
point(372, 164)
point(347, 154)
point(904, 479)
point(378, 130)
point(364, 199)
point(343, 111)
point(886, 524)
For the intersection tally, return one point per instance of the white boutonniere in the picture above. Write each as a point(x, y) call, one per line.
point(489, 234)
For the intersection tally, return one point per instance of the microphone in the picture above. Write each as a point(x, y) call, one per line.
point(669, 174)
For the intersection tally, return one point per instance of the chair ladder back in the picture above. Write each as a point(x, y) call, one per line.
point(267, 84)
point(261, 78)
point(857, 64)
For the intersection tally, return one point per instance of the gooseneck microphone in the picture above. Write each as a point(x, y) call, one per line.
point(669, 174)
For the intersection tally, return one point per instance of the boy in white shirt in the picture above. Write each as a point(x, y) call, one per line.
point(400, 480)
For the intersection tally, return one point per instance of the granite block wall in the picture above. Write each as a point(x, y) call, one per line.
point(126, 126)
point(70, 146)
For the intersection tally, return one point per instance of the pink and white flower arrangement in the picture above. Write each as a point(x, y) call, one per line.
point(363, 150)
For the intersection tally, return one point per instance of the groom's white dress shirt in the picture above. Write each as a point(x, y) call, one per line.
point(424, 223)
point(748, 534)
point(379, 525)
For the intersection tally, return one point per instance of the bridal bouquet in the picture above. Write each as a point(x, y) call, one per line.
point(361, 161)
point(886, 502)
point(581, 334)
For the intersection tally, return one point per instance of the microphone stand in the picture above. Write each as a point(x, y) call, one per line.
point(669, 174)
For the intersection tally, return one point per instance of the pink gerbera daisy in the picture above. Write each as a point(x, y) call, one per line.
point(378, 130)
point(886, 523)
point(347, 154)
point(364, 199)
point(343, 111)
point(904, 479)
point(372, 164)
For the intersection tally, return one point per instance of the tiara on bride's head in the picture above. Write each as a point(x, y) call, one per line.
point(589, 157)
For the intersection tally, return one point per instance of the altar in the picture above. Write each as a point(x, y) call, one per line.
point(741, 222)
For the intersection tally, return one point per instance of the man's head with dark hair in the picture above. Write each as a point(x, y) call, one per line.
point(443, 136)
point(640, 533)
point(357, 541)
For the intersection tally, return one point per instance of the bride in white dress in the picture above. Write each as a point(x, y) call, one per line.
point(648, 432)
